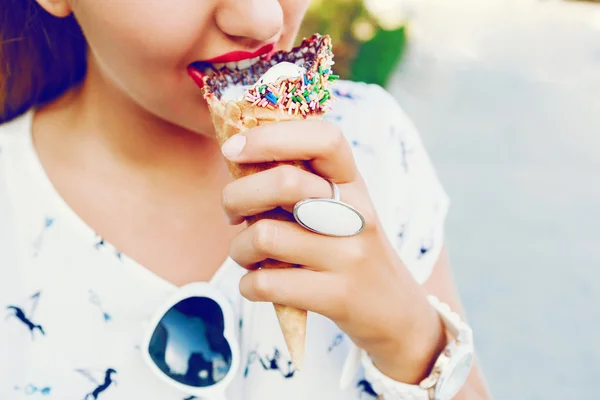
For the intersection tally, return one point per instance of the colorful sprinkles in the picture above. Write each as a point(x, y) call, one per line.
point(306, 95)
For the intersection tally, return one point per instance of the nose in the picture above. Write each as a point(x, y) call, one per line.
point(259, 20)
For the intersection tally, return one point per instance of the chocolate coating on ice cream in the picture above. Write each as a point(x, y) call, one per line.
point(317, 47)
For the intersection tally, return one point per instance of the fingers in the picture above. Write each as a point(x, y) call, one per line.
point(321, 143)
point(320, 292)
point(290, 243)
point(282, 186)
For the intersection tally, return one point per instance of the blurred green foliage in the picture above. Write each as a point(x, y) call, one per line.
point(364, 51)
point(377, 59)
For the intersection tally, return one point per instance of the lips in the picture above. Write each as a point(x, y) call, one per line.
point(197, 76)
point(235, 60)
point(235, 56)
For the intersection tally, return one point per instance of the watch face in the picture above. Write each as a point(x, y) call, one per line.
point(457, 373)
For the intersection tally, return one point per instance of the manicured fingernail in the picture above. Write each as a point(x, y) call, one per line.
point(234, 146)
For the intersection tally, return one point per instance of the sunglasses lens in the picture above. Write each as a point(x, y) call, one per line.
point(189, 346)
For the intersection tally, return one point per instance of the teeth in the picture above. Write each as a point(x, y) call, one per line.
point(244, 64)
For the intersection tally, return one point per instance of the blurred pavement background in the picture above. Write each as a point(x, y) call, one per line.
point(507, 96)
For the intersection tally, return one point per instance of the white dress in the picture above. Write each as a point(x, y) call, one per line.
point(72, 307)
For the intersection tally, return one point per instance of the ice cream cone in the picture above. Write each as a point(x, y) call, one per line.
point(236, 116)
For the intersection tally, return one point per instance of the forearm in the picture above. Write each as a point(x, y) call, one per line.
point(415, 364)
point(441, 284)
point(424, 340)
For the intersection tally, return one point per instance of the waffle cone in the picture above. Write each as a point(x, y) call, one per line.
point(235, 117)
point(232, 117)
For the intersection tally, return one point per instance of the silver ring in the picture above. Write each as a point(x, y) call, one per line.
point(329, 216)
point(335, 190)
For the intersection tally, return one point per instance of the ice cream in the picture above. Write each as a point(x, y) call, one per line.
point(283, 87)
point(279, 71)
point(234, 93)
point(282, 70)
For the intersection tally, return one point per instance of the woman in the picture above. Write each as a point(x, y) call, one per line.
point(111, 196)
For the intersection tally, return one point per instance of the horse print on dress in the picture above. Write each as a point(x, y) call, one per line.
point(426, 246)
point(270, 364)
point(405, 151)
point(39, 239)
point(100, 387)
point(364, 147)
point(31, 390)
point(343, 94)
point(332, 117)
point(404, 157)
point(26, 318)
point(95, 300)
point(400, 237)
point(364, 387)
point(337, 340)
point(100, 243)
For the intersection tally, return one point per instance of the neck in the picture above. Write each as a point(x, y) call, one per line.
point(101, 116)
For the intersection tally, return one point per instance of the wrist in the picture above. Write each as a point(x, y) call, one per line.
point(409, 356)
point(450, 370)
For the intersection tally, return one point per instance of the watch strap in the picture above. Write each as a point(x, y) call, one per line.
point(389, 389)
point(386, 387)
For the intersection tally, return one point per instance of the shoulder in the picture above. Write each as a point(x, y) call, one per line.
point(357, 92)
point(402, 181)
point(368, 114)
point(356, 101)
point(14, 130)
point(12, 135)
point(13, 140)
point(380, 132)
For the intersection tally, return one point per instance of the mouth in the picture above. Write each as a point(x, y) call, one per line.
point(233, 61)
point(314, 55)
point(247, 72)
point(208, 68)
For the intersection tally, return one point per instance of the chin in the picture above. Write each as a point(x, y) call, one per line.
point(199, 123)
point(206, 130)
point(203, 122)
point(187, 116)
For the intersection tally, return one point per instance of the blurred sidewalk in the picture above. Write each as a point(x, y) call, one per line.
point(507, 96)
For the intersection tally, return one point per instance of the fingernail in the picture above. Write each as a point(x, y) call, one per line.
point(234, 146)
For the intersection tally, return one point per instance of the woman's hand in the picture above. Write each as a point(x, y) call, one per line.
point(359, 282)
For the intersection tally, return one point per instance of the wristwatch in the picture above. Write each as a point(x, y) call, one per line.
point(449, 372)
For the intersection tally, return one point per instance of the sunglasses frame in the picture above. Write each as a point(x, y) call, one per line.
point(206, 290)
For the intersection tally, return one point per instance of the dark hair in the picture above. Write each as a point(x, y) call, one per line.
point(41, 56)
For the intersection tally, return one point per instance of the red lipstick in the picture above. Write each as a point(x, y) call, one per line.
point(241, 55)
point(195, 71)
point(197, 76)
